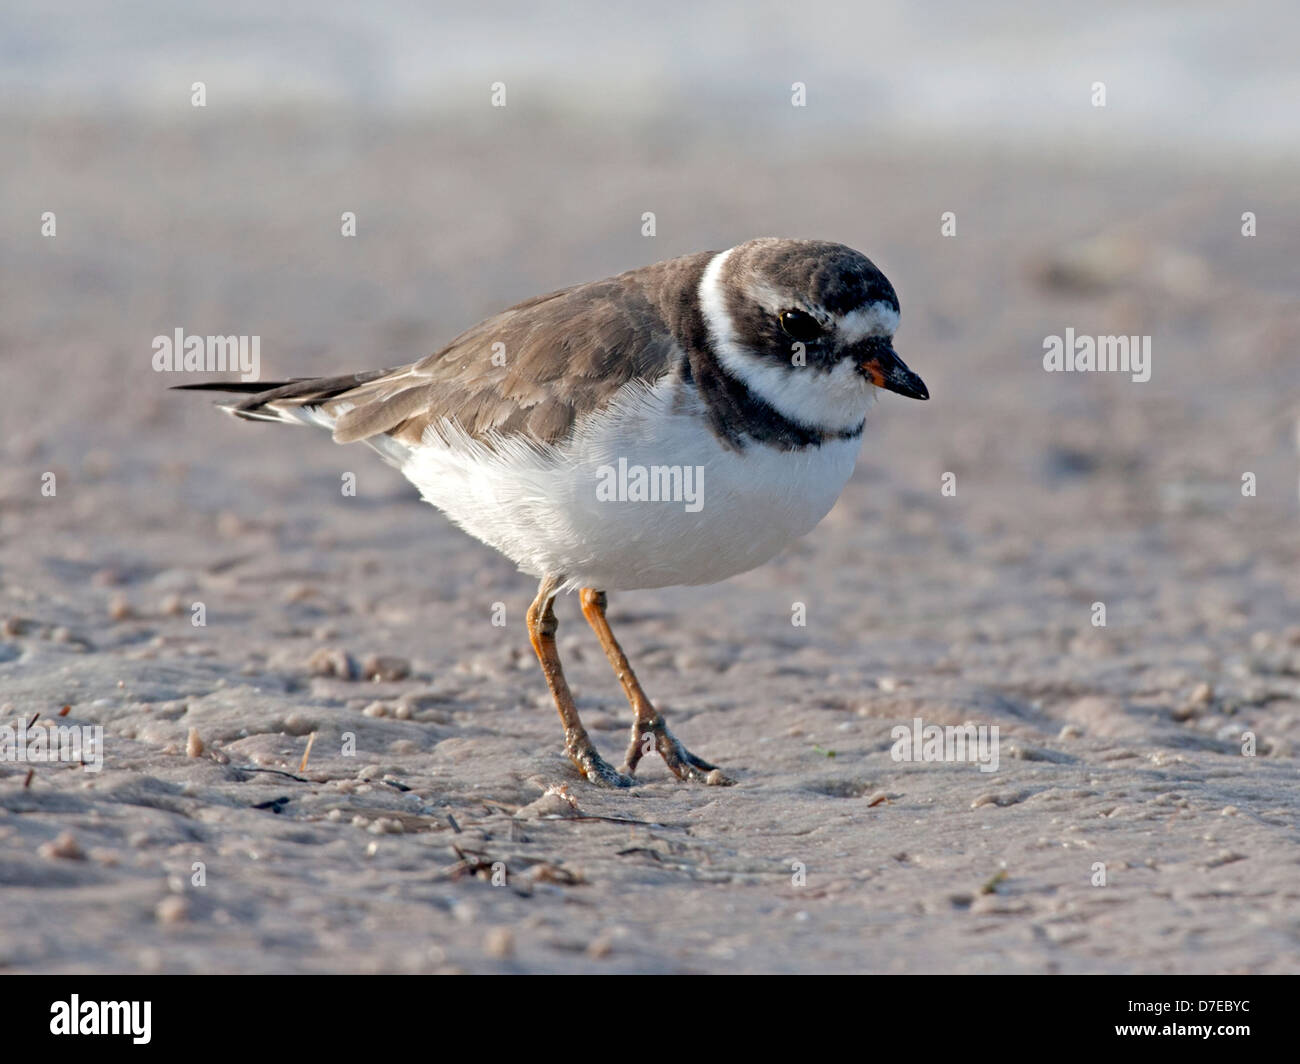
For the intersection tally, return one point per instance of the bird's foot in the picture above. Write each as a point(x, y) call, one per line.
point(594, 767)
point(681, 762)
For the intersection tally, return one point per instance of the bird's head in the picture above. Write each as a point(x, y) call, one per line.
point(808, 325)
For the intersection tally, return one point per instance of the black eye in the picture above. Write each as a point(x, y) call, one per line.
point(800, 326)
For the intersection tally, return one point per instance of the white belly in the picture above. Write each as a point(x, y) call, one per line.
point(577, 510)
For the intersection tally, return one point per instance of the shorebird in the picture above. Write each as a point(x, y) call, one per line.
point(677, 424)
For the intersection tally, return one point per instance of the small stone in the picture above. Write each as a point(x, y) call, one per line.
point(550, 804)
point(119, 609)
point(173, 909)
point(1201, 697)
point(333, 661)
point(386, 669)
point(298, 725)
point(499, 943)
point(419, 700)
point(194, 744)
point(64, 846)
point(999, 798)
point(171, 606)
point(376, 709)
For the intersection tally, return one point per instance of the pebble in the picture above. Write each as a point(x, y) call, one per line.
point(173, 909)
point(499, 943)
point(1197, 701)
point(333, 661)
point(386, 669)
point(194, 744)
point(64, 846)
point(299, 725)
point(548, 805)
point(999, 798)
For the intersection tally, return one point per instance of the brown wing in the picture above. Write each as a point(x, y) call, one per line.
point(532, 370)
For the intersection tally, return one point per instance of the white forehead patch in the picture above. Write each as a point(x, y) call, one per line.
point(878, 319)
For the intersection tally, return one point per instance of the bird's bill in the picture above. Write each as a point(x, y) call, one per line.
point(885, 369)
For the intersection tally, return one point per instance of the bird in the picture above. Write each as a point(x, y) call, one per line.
point(676, 424)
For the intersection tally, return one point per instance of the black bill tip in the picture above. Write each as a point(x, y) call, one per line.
point(886, 370)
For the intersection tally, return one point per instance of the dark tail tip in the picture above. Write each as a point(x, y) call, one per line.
point(241, 387)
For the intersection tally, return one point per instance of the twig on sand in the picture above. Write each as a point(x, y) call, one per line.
point(302, 765)
point(277, 771)
point(610, 820)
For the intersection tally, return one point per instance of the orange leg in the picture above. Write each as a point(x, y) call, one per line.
point(648, 728)
point(577, 744)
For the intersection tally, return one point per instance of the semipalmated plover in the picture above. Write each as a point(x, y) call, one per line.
point(676, 424)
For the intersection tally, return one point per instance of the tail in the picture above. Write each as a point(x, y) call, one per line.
point(293, 402)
